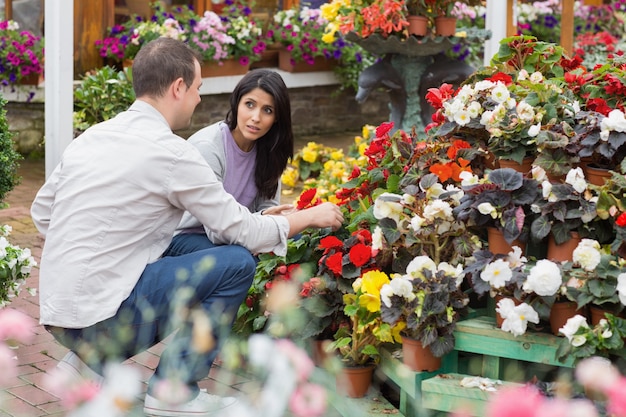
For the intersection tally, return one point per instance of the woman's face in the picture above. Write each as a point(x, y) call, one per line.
point(255, 116)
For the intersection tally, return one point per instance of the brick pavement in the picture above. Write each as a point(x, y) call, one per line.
point(25, 395)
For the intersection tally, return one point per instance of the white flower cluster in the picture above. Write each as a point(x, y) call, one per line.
point(516, 317)
point(402, 285)
point(499, 272)
point(15, 266)
point(614, 122)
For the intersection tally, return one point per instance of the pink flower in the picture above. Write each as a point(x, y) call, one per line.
point(616, 404)
point(15, 325)
point(300, 360)
point(515, 402)
point(308, 400)
point(596, 373)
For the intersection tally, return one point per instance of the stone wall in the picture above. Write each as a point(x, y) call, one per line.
point(315, 111)
point(27, 122)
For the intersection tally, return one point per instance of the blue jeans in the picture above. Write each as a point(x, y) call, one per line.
point(192, 276)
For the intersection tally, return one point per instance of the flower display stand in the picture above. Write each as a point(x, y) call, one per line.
point(494, 349)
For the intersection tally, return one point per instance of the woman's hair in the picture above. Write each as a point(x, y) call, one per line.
point(276, 147)
point(159, 63)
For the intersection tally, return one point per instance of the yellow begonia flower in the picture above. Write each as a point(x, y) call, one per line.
point(309, 155)
point(373, 281)
point(290, 177)
point(370, 301)
point(362, 149)
point(337, 155)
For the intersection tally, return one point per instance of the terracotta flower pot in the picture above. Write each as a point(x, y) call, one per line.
point(418, 25)
point(564, 251)
point(524, 167)
point(498, 245)
point(596, 176)
point(355, 381)
point(445, 26)
point(417, 357)
point(560, 313)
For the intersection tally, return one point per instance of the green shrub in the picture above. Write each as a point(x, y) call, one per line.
point(9, 157)
point(101, 95)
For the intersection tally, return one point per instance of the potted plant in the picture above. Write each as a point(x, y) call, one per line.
point(421, 222)
point(426, 302)
point(566, 210)
point(583, 340)
point(125, 40)
point(385, 18)
point(601, 142)
point(21, 54)
point(500, 202)
point(358, 340)
point(597, 276)
point(300, 32)
point(235, 37)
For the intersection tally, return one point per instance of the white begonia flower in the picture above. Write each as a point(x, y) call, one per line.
point(467, 178)
point(516, 318)
point(587, 254)
point(538, 173)
point(526, 112)
point(497, 273)
point(515, 257)
point(455, 193)
point(500, 93)
point(534, 130)
point(453, 271)
point(414, 268)
point(546, 190)
point(474, 109)
point(485, 118)
point(399, 286)
point(377, 238)
point(416, 223)
point(606, 330)
point(388, 205)
point(487, 209)
point(576, 178)
point(510, 103)
point(483, 85)
point(621, 287)
point(544, 278)
point(571, 327)
point(615, 121)
point(438, 209)
point(434, 191)
point(536, 77)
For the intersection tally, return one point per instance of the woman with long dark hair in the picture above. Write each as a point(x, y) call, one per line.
point(250, 149)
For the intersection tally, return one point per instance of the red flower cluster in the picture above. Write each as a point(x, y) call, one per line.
point(355, 252)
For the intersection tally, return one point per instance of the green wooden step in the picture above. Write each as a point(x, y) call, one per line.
point(445, 393)
point(480, 335)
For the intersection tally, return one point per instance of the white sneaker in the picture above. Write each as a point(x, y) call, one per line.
point(203, 405)
point(78, 370)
